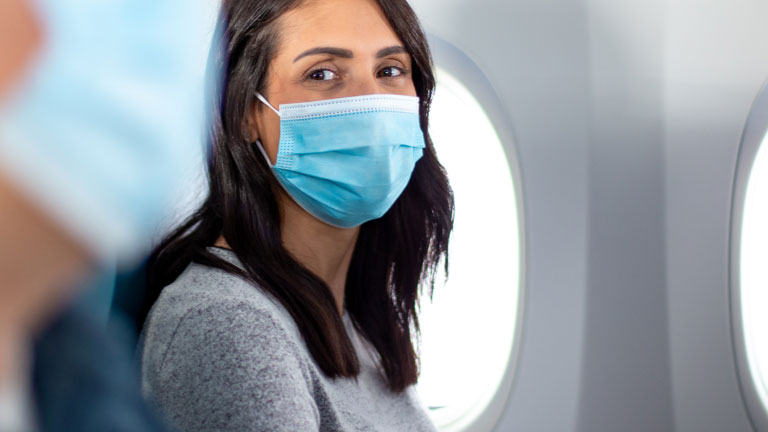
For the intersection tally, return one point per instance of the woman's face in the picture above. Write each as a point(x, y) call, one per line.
point(331, 49)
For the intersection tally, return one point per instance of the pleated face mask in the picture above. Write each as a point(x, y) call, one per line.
point(347, 160)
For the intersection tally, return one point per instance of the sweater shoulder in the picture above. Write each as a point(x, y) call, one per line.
point(219, 351)
point(209, 301)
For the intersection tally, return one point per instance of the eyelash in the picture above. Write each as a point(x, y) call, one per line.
point(401, 72)
point(315, 71)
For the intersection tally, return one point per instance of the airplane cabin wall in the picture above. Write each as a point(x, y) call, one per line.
point(626, 120)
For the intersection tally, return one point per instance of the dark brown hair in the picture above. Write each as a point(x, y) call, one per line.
point(394, 256)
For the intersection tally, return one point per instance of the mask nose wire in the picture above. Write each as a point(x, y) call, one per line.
point(261, 98)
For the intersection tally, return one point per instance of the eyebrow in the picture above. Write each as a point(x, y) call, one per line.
point(345, 53)
point(391, 50)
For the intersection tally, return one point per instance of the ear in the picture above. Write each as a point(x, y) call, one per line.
point(252, 123)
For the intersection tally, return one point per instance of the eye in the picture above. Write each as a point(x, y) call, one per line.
point(390, 72)
point(322, 75)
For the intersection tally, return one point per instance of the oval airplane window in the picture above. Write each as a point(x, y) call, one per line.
point(469, 327)
point(751, 263)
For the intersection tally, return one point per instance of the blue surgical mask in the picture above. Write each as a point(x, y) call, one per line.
point(347, 160)
point(108, 118)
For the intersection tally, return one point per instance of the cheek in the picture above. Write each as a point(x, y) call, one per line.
point(413, 89)
point(409, 87)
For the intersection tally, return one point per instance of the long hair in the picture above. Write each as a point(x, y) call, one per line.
point(395, 256)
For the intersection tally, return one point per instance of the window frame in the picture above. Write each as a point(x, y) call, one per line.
point(752, 137)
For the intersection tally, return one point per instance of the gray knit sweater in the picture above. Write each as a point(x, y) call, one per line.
point(220, 354)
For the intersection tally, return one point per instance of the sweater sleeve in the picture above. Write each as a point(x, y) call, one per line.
point(232, 367)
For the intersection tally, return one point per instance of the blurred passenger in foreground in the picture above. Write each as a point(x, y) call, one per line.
point(98, 101)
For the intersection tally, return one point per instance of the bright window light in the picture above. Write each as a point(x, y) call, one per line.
point(468, 329)
point(754, 271)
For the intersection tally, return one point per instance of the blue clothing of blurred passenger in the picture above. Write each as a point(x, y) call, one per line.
point(84, 379)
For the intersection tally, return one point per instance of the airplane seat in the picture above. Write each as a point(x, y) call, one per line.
point(127, 301)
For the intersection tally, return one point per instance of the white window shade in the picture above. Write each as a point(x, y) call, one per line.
point(754, 272)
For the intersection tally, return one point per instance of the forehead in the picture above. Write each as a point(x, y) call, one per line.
point(357, 25)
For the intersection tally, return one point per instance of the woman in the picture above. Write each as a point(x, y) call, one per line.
point(289, 298)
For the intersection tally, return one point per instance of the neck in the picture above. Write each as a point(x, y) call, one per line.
point(323, 249)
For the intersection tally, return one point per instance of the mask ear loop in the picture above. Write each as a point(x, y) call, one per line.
point(258, 142)
point(260, 146)
point(261, 98)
